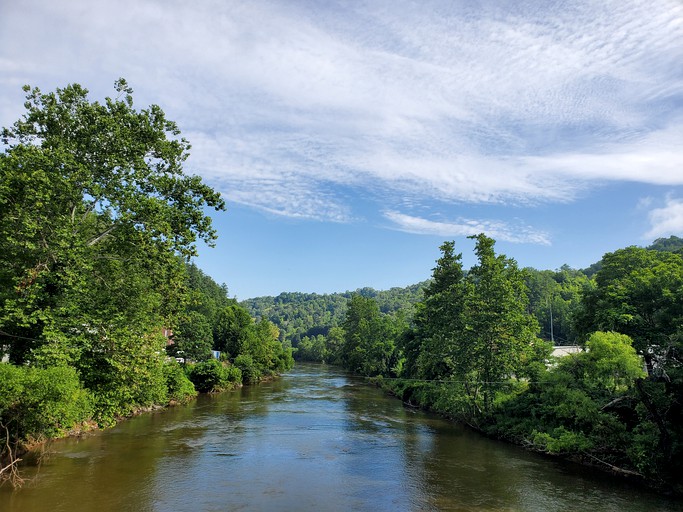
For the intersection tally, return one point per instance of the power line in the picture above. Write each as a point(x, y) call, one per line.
point(18, 337)
point(449, 381)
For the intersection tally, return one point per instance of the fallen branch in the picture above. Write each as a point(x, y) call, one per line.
point(616, 469)
point(11, 470)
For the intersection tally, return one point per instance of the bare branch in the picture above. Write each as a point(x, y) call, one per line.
point(11, 470)
point(102, 235)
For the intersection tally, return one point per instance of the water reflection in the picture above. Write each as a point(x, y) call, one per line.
point(317, 439)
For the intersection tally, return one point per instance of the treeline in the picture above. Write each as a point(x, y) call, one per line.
point(213, 323)
point(311, 323)
point(97, 222)
point(309, 317)
point(472, 351)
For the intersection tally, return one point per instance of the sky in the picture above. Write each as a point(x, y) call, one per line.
point(350, 139)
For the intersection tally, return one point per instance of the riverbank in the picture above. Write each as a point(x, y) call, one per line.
point(30, 450)
point(438, 399)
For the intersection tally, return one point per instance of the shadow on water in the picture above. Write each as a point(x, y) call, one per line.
point(317, 439)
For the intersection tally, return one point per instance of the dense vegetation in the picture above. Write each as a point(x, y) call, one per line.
point(97, 222)
point(305, 320)
point(311, 323)
point(477, 348)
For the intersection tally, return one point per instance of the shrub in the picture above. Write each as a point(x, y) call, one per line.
point(180, 387)
point(211, 375)
point(250, 370)
point(37, 403)
point(561, 440)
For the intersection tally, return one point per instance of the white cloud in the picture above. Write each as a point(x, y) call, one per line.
point(666, 221)
point(479, 103)
point(504, 231)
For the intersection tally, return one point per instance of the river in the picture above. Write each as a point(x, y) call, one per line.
point(317, 439)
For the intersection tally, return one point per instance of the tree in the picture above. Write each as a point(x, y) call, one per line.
point(435, 350)
point(334, 342)
point(500, 335)
point(671, 244)
point(638, 292)
point(370, 339)
point(96, 216)
point(231, 330)
point(312, 349)
point(298, 315)
point(192, 338)
point(612, 361)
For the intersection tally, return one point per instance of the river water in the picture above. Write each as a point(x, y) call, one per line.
point(316, 439)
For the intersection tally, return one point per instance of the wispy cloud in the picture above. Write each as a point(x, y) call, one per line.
point(516, 233)
point(667, 220)
point(477, 103)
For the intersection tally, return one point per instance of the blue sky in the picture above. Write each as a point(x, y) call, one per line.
point(350, 139)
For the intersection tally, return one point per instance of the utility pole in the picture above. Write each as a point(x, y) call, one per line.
point(552, 335)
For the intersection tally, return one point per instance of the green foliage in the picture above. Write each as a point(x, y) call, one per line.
point(192, 338)
point(370, 338)
point(96, 216)
point(334, 342)
point(671, 244)
point(231, 329)
point(474, 353)
point(639, 293)
point(554, 299)
point(500, 333)
point(210, 376)
point(125, 371)
point(312, 349)
point(560, 440)
point(435, 351)
point(37, 403)
point(612, 361)
point(179, 386)
point(249, 369)
point(300, 315)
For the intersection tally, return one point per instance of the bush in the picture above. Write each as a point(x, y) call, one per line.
point(561, 440)
point(180, 387)
point(127, 377)
point(250, 370)
point(211, 376)
point(38, 403)
point(234, 375)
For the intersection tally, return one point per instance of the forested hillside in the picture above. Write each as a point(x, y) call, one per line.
point(306, 315)
point(554, 299)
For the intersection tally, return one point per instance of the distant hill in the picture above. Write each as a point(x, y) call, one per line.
point(672, 244)
point(309, 314)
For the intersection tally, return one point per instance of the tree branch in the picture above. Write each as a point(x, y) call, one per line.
point(101, 236)
point(10, 471)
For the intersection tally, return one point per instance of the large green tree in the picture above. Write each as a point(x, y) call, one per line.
point(96, 215)
point(192, 338)
point(435, 349)
point(500, 337)
point(639, 292)
point(370, 338)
